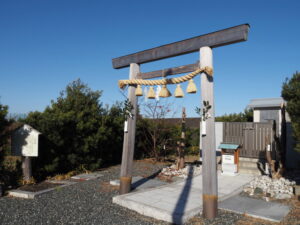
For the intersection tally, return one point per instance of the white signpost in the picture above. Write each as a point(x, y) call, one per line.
point(230, 155)
point(228, 166)
point(25, 143)
point(228, 159)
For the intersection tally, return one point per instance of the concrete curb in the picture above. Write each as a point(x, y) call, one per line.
point(32, 195)
point(86, 176)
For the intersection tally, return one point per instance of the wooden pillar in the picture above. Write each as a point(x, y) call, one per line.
point(129, 136)
point(210, 188)
point(26, 167)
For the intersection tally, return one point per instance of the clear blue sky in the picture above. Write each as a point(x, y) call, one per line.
point(44, 45)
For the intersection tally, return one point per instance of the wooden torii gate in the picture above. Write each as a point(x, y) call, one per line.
point(204, 44)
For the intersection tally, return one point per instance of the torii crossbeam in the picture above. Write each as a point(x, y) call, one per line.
point(204, 44)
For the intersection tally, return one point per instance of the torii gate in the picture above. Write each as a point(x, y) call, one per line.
point(204, 45)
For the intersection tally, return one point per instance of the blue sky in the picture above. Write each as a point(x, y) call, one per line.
point(44, 45)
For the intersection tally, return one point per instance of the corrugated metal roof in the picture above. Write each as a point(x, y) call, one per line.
point(265, 102)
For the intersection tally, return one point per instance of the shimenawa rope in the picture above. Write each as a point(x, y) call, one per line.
point(176, 80)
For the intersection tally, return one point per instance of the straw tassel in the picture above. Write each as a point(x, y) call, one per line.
point(151, 93)
point(178, 92)
point(164, 92)
point(191, 88)
point(139, 91)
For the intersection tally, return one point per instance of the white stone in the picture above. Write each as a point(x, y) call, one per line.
point(281, 188)
point(114, 182)
point(171, 171)
point(283, 196)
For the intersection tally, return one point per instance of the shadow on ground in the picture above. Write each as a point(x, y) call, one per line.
point(183, 198)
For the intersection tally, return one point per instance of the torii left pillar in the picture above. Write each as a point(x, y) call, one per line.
point(129, 136)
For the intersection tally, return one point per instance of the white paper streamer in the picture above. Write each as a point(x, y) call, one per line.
point(125, 126)
point(146, 93)
point(203, 128)
point(158, 88)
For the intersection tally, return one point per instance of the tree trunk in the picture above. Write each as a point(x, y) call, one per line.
point(181, 161)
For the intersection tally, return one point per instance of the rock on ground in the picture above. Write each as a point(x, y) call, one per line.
point(276, 188)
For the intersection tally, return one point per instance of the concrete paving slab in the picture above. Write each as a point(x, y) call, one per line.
point(86, 176)
point(139, 182)
point(179, 201)
point(255, 207)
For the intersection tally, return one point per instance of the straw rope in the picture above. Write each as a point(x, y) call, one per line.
point(176, 80)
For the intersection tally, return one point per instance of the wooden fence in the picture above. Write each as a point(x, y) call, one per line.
point(252, 137)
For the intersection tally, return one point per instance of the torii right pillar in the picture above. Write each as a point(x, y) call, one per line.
point(209, 166)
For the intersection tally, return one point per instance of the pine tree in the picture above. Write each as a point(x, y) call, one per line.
point(291, 93)
point(3, 137)
point(77, 131)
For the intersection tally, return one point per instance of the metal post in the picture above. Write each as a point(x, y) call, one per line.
point(129, 136)
point(210, 189)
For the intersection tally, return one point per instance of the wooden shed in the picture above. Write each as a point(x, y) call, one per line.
point(267, 109)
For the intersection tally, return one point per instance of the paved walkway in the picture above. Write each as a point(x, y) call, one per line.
point(178, 202)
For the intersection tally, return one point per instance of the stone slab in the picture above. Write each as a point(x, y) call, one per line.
point(179, 201)
point(86, 176)
point(31, 195)
point(258, 208)
point(139, 182)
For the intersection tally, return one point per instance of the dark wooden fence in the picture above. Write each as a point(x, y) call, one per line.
point(252, 137)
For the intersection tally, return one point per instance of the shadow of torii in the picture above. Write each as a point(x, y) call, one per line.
point(178, 213)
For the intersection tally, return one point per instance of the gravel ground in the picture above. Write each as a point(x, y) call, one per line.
point(90, 202)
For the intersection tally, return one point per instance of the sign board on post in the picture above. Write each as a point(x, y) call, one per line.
point(230, 154)
point(25, 141)
point(229, 159)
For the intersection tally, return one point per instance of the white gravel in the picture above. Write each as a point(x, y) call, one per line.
point(277, 188)
point(184, 172)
